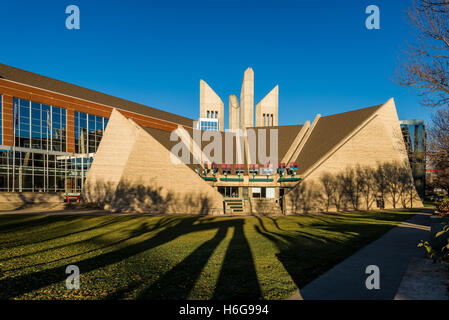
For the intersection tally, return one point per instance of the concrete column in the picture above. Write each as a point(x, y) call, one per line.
point(247, 99)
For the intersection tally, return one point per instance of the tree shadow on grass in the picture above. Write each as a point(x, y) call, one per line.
point(142, 229)
point(25, 283)
point(60, 232)
point(114, 221)
point(180, 280)
point(26, 222)
point(322, 252)
point(237, 277)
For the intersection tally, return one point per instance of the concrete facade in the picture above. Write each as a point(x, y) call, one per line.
point(211, 106)
point(267, 109)
point(132, 178)
point(247, 100)
point(374, 141)
point(234, 113)
point(241, 115)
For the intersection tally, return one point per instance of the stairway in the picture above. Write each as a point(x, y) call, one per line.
point(234, 206)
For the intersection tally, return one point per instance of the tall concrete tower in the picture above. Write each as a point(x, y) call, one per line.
point(234, 113)
point(247, 100)
point(211, 106)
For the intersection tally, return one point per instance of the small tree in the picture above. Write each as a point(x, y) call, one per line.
point(406, 185)
point(359, 184)
point(381, 182)
point(352, 184)
point(393, 180)
point(366, 175)
point(339, 192)
point(439, 148)
point(328, 183)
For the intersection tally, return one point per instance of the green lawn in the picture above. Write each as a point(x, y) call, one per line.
point(173, 257)
point(428, 203)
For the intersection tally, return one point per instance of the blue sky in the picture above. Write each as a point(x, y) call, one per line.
point(155, 52)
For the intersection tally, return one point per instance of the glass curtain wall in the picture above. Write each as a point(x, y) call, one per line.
point(39, 126)
point(38, 171)
point(38, 161)
point(88, 132)
point(414, 134)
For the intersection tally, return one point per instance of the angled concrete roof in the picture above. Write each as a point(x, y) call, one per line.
point(42, 82)
point(328, 132)
point(286, 136)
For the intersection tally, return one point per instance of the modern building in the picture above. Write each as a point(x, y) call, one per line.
point(58, 137)
point(51, 130)
point(414, 133)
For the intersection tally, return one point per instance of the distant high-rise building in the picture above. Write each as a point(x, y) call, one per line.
point(414, 134)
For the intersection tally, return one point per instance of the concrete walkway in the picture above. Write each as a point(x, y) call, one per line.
point(392, 253)
point(424, 280)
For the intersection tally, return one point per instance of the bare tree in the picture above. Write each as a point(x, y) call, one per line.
point(425, 65)
point(439, 148)
point(339, 192)
point(359, 183)
point(367, 189)
point(352, 185)
point(328, 182)
point(310, 196)
point(393, 180)
point(381, 182)
point(406, 186)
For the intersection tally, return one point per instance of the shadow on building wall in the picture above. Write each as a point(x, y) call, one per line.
point(140, 198)
point(388, 185)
